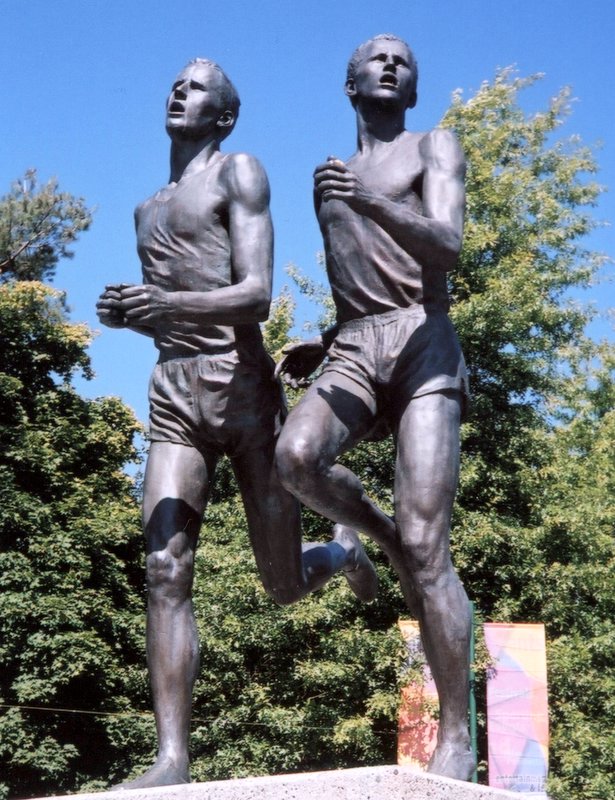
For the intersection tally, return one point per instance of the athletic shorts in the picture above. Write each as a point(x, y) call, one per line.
point(399, 355)
point(216, 403)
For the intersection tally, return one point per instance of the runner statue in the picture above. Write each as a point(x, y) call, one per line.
point(392, 222)
point(205, 244)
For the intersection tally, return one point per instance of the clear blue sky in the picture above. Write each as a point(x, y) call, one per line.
point(84, 83)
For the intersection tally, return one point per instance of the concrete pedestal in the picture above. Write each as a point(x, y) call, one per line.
point(365, 783)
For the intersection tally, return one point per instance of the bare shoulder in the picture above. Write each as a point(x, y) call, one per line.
point(139, 209)
point(245, 180)
point(441, 150)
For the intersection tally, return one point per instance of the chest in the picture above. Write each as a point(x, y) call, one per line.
point(395, 173)
point(190, 212)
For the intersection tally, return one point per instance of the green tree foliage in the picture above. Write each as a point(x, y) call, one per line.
point(576, 595)
point(317, 293)
point(71, 609)
point(528, 211)
point(275, 329)
point(37, 226)
point(558, 569)
point(533, 533)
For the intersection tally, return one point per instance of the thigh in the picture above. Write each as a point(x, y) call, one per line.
point(427, 470)
point(427, 361)
point(274, 522)
point(333, 415)
point(175, 491)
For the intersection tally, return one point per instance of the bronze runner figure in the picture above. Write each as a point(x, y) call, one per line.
point(206, 246)
point(392, 222)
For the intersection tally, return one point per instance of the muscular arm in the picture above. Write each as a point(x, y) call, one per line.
point(433, 237)
point(247, 299)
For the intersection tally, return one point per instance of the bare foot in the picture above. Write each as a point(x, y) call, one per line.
point(164, 772)
point(452, 760)
point(359, 570)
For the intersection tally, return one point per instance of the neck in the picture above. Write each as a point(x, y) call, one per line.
point(378, 123)
point(189, 156)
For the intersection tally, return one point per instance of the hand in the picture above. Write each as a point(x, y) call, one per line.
point(299, 362)
point(334, 181)
point(145, 305)
point(109, 306)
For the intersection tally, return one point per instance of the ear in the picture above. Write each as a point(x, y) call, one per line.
point(226, 119)
point(412, 100)
point(349, 88)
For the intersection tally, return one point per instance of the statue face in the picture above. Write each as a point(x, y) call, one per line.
point(195, 105)
point(384, 73)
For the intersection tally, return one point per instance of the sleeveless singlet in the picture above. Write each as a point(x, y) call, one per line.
point(184, 246)
point(368, 271)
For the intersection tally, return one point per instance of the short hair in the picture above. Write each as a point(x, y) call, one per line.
point(228, 92)
point(356, 57)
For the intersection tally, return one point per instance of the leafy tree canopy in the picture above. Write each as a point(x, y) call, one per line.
point(37, 226)
point(71, 609)
point(534, 523)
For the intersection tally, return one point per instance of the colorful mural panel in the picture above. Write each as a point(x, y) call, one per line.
point(418, 726)
point(517, 710)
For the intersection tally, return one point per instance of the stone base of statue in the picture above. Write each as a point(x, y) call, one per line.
point(364, 783)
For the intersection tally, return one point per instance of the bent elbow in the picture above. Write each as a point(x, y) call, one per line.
point(260, 303)
point(256, 300)
point(261, 310)
point(451, 247)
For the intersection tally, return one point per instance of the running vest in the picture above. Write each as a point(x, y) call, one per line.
point(184, 246)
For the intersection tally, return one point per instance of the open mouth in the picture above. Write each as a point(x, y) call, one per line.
point(176, 107)
point(388, 80)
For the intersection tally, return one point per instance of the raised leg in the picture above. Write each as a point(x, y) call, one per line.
point(290, 569)
point(334, 414)
point(175, 494)
point(425, 483)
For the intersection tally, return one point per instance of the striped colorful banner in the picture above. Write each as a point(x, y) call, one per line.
point(418, 727)
point(517, 708)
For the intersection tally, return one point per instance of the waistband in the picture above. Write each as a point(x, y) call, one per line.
point(233, 356)
point(386, 317)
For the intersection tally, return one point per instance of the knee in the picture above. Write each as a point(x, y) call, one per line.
point(282, 589)
point(283, 595)
point(297, 461)
point(169, 576)
point(429, 566)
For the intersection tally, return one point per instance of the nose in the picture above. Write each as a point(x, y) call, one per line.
point(179, 93)
point(390, 65)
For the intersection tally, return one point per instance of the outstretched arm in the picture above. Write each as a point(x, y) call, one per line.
point(247, 299)
point(432, 237)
